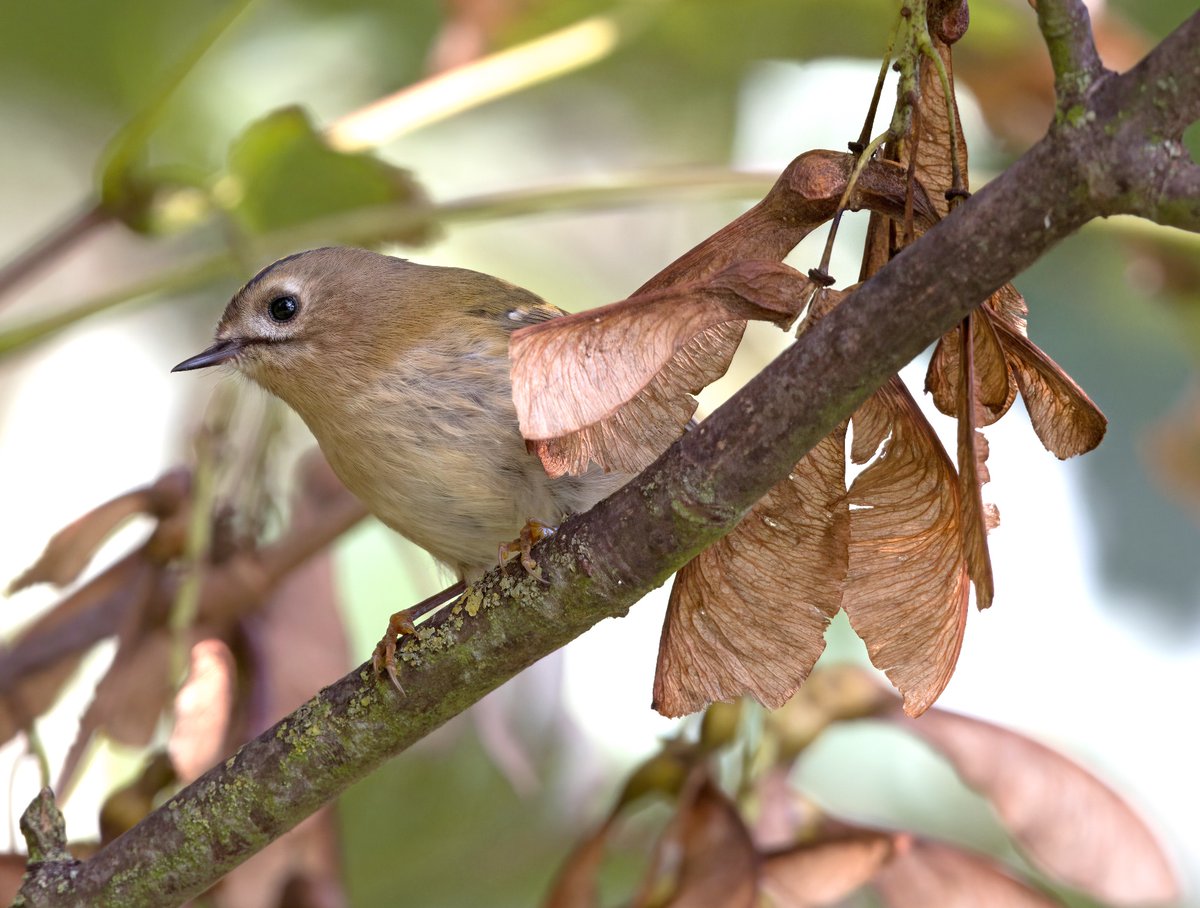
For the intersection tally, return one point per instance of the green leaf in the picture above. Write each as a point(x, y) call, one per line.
point(282, 173)
point(131, 189)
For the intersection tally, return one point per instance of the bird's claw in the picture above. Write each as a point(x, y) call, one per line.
point(383, 660)
point(532, 533)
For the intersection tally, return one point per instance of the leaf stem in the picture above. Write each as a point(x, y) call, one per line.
point(869, 122)
point(925, 44)
point(37, 749)
point(821, 273)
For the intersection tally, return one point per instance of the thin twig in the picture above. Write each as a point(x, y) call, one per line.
point(1067, 31)
point(60, 240)
point(37, 750)
point(367, 225)
point(820, 274)
point(869, 121)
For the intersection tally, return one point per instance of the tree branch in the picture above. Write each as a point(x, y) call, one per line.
point(600, 563)
point(1164, 88)
point(1067, 30)
point(1134, 124)
point(1178, 204)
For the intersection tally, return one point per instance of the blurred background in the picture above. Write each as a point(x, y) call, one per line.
point(611, 138)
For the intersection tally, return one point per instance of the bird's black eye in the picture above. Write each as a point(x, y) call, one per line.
point(283, 308)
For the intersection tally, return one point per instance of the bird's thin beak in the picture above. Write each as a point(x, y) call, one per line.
point(220, 352)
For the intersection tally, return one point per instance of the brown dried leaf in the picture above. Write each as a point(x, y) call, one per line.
point(632, 437)
point(577, 883)
point(290, 663)
point(824, 873)
point(782, 813)
point(1008, 304)
point(926, 148)
point(977, 518)
point(135, 691)
point(297, 642)
point(47, 653)
point(129, 699)
point(71, 548)
point(1068, 822)
point(203, 709)
point(933, 165)
point(995, 384)
point(907, 584)
point(1063, 416)
point(130, 804)
point(648, 354)
point(718, 866)
point(971, 379)
point(32, 695)
point(938, 876)
point(659, 403)
point(804, 197)
point(748, 614)
point(977, 382)
point(48, 650)
point(131, 599)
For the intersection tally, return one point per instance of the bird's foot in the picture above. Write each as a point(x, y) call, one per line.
point(404, 623)
point(532, 533)
point(383, 660)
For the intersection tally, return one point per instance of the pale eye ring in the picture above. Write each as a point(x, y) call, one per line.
point(283, 308)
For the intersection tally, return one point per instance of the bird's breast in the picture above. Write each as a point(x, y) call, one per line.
point(434, 451)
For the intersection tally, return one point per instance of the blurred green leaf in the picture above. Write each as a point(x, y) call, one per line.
point(129, 188)
point(284, 174)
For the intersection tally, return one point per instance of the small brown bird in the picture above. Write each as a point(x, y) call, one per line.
point(401, 372)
